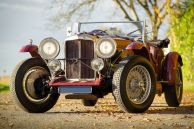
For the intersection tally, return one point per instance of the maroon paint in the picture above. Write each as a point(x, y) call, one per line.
point(29, 48)
point(135, 45)
point(170, 66)
point(32, 49)
point(97, 82)
point(142, 50)
point(157, 57)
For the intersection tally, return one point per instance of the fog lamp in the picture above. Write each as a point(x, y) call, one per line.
point(97, 64)
point(54, 65)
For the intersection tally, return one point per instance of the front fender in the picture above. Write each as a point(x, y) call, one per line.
point(139, 49)
point(32, 49)
point(170, 65)
point(135, 46)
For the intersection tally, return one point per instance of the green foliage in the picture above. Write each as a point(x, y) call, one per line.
point(4, 88)
point(189, 88)
point(182, 36)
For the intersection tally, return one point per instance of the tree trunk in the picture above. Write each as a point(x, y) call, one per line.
point(155, 32)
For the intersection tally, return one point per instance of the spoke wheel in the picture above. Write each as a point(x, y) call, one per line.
point(138, 84)
point(173, 93)
point(179, 85)
point(134, 84)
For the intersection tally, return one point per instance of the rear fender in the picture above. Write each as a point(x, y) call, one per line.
point(169, 68)
point(32, 49)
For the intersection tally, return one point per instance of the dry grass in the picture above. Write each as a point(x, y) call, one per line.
point(5, 80)
point(4, 83)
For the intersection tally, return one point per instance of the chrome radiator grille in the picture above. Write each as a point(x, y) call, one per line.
point(79, 54)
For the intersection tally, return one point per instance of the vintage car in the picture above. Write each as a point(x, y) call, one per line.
point(97, 61)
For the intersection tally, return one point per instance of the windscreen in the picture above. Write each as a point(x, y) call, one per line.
point(125, 29)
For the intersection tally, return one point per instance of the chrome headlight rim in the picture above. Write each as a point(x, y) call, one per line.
point(54, 42)
point(99, 60)
point(112, 43)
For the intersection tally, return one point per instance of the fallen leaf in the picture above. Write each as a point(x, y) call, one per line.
point(129, 117)
point(11, 124)
point(189, 127)
point(146, 119)
point(2, 117)
point(131, 127)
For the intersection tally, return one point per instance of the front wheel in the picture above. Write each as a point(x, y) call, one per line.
point(29, 86)
point(134, 85)
point(173, 94)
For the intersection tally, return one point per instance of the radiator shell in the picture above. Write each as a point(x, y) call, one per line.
point(77, 53)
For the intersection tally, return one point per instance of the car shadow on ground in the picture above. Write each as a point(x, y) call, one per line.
point(184, 109)
point(156, 109)
point(84, 112)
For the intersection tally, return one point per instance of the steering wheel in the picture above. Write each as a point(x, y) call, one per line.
point(98, 32)
point(132, 32)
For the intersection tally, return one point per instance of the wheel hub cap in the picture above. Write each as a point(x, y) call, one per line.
point(138, 84)
point(34, 84)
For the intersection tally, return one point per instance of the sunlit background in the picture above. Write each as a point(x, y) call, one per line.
point(22, 20)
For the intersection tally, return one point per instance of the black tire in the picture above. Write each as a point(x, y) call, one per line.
point(22, 93)
point(173, 94)
point(89, 102)
point(120, 92)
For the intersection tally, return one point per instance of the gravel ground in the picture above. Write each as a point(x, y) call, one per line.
point(71, 114)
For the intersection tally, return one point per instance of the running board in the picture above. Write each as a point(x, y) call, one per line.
point(81, 96)
point(75, 89)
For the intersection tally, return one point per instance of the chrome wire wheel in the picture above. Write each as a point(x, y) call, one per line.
point(34, 84)
point(178, 85)
point(138, 84)
point(173, 93)
point(134, 84)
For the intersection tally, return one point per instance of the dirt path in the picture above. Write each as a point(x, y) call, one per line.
point(71, 114)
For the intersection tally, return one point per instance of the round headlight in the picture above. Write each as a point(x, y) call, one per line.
point(54, 65)
point(105, 47)
point(49, 48)
point(97, 64)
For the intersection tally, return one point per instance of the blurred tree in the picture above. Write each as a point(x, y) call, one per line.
point(182, 35)
point(155, 10)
